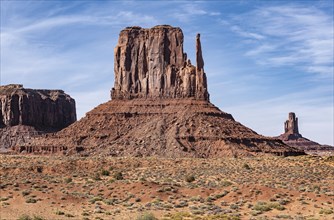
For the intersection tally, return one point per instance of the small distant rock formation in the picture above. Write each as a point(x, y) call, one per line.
point(291, 127)
point(150, 63)
point(27, 112)
point(160, 107)
point(293, 138)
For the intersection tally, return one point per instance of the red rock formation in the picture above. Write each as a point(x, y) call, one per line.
point(150, 63)
point(160, 107)
point(25, 113)
point(43, 109)
point(291, 125)
point(293, 138)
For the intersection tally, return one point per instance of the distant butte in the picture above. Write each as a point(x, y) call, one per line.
point(292, 137)
point(29, 112)
point(160, 107)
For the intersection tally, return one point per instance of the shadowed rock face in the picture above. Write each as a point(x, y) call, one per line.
point(26, 113)
point(43, 109)
point(150, 63)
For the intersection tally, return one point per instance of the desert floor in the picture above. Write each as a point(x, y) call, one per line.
point(54, 187)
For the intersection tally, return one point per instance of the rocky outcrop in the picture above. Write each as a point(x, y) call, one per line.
point(150, 63)
point(293, 138)
point(160, 127)
point(42, 109)
point(27, 113)
point(160, 107)
point(291, 126)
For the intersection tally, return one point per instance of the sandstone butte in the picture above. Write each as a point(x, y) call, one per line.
point(160, 107)
point(293, 138)
point(26, 112)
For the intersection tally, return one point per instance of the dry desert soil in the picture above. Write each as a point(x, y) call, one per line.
point(55, 187)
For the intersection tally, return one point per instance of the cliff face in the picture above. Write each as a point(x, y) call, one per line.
point(150, 63)
point(42, 109)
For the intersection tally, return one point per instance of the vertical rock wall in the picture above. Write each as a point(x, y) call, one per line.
point(42, 109)
point(150, 63)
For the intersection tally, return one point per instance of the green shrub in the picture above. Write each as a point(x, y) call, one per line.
point(118, 176)
point(265, 207)
point(31, 200)
point(68, 180)
point(146, 216)
point(25, 193)
point(27, 217)
point(105, 173)
point(190, 178)
point(326, 211)
point(246, 166)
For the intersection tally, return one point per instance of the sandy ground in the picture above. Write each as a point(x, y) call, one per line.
point(50, 187)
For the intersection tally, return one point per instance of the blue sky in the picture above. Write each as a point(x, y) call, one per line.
point(263, 59)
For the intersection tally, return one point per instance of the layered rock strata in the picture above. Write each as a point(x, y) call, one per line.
point(160, 107)
point(150, 63)
point(292, 137)
point(25, 113)
point(163, 128)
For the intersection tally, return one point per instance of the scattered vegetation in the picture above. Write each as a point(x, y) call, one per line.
point(146, 216)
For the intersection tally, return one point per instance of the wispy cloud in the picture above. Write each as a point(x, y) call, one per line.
point(290, 35)
point(189, 11)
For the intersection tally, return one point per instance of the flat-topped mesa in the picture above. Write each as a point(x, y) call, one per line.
point(42, 109)
point(150, 63)
point(291, 125)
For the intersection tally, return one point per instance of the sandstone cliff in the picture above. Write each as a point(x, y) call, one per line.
point(45, 109)
point(150, 63)
point(25, 113)
point(160, 107)
point(293, 138)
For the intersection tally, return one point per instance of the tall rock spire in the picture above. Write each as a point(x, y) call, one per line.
point(199, 57)
point(150, 63)
point(291, 125)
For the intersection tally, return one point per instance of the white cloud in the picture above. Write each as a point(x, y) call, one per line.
point(290, 35)
point(188, 11)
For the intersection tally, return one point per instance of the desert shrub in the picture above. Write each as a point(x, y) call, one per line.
point(265, 207)
point(58, 212)
point(226, 183)
point(118, 176)
point(190, 178)
point(38, 218)
point(246, 166)
point(105, 173)
point(24, 217)
point(27, 217)
point(68, 180)
point(31, 200)
point(261, 206)
point(326, 211)
point(146, 216)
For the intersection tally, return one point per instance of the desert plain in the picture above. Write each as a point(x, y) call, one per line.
point(57, 187)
